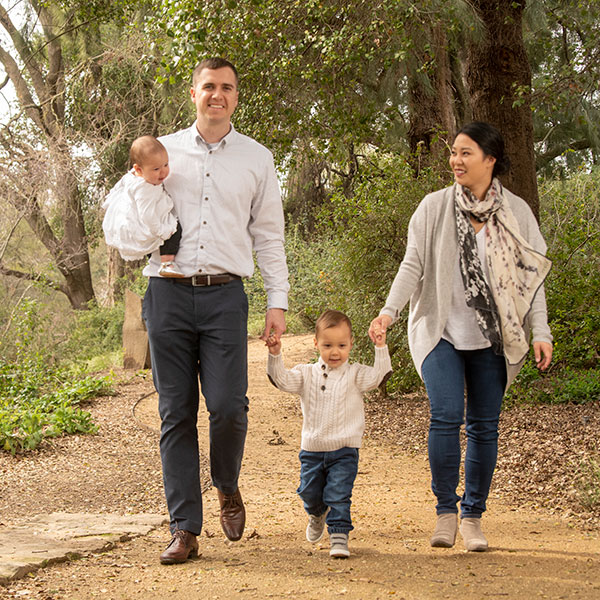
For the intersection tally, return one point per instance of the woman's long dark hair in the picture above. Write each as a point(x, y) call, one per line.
point(490, 140)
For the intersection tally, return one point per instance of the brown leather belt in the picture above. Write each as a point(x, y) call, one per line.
point(205, 280)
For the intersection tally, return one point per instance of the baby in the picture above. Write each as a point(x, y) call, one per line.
point(139, 215)
point(331, 395)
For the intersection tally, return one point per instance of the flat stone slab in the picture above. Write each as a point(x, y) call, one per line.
point(45, 539)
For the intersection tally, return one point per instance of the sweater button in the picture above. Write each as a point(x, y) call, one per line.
point(323, 387)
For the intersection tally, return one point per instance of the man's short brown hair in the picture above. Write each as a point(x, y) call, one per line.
point(213, 63)
point(144, 147)
point(331, 318)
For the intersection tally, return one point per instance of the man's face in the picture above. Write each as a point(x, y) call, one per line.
point(215, 96)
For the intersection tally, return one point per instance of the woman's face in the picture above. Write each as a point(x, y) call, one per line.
point(471, 167)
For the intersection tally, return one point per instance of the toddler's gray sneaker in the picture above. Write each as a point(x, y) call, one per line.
point(315, 527)
point(339, 545)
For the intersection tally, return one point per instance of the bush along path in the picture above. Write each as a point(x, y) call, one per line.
point(533, 553)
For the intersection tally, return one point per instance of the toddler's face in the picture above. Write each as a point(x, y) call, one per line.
point(155, 168)
point(334, 344)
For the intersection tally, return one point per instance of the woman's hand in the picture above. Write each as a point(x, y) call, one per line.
point(543, 355)
point(378, 327)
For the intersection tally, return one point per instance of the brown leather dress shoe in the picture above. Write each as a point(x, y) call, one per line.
point(183, 544)
point(233, 514)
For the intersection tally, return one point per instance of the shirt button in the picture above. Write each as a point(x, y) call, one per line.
point(323, 387)
point(208, 174)
point(201, 247)
point(323, 367)
point(206, 198)
point(324, 374)
point(199, 270)
point(203, 222)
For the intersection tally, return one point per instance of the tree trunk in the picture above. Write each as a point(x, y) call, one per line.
point(431, 103)
point(498, 78)
point(119, 270)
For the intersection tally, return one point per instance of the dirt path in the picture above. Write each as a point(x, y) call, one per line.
point(532, 555)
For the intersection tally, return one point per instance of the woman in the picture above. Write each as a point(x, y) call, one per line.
point(473, 270)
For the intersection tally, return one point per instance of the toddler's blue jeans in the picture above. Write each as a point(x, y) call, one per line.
point(446, 373)
point(326, 480)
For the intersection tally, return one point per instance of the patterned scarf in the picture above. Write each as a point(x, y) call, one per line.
point(516, 270)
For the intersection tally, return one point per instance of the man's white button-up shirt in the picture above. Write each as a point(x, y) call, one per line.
point(227, 199)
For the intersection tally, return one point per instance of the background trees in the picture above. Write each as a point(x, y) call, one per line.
point(83, 92)
point(325, 84)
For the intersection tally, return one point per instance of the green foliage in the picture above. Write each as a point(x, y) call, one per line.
point(307, 298)
point(39, 399)
point(96, 331)
point(325, 71)
point(369, 231)
point(351, 263)
point(570, 221)
point(561, 39)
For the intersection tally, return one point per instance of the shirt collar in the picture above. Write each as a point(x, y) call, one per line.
point(229, 138)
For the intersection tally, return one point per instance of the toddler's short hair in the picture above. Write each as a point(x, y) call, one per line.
point(144, 147)
point(331, 318)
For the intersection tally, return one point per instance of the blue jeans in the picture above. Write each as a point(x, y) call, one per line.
point(446, 372)
point(326, 481)
point(198, 333)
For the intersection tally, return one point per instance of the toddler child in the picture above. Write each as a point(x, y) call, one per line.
point(139, 215)
point(333, 423)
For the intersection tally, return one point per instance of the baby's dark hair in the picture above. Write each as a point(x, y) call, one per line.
point(144, 147)
point(490, 140)
point(331, 318)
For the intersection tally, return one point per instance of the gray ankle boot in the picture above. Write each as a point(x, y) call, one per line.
point(473, 537)
point(445, 531)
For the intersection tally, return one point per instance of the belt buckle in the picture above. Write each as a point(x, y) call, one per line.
point(196, 280)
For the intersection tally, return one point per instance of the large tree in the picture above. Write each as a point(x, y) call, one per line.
point(85, 89)
point(498, 79)
point(39, 170)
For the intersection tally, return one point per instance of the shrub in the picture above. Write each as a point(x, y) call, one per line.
point(366, 237)
point(570, 222)
point(39, 398)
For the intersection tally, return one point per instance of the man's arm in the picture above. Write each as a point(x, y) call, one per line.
point(267, 230)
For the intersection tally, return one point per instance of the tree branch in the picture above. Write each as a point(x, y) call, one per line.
point(553, 153)
point(55, 285)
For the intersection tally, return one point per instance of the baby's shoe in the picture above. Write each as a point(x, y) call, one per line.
point(339, 545)
point(315, 527)
point(170, 269)
point(470, 529)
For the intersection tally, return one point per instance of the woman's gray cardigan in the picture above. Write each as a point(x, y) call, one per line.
point(426, 274)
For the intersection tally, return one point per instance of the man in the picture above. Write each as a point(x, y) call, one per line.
point(226, 197)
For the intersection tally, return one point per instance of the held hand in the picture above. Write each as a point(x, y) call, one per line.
point(380, 339)
point(378, 328)
point(274, 324)
point(273, 344)
point(543, 355)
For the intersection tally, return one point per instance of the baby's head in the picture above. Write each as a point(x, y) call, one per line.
point(149, 159)
point(333, 337)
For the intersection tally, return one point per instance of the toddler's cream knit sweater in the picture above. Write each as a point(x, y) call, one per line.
point(331, 399)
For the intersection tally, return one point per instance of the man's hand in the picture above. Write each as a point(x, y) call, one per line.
point(378, 328)
point(543, 355)
point(274, 324)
